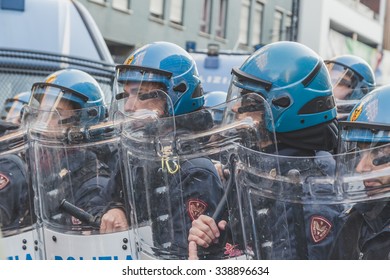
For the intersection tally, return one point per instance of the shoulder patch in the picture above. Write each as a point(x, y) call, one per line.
point(195, 208)
point(4, 180)
point(319, 228)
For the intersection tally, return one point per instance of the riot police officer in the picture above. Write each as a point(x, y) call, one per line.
point(69, 99)
point(17, 215)
point(161, 78)
point(352, 78)
point(295, 83)
point(364, 175)
point(13, 107)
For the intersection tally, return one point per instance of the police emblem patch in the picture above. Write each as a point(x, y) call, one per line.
point(75, 221)
point(195, 208)
point(232, 251)
point(356, 113)
point(4, 180)
point(319, 228)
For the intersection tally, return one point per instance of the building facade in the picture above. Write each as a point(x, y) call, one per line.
point(232, 24)
point(336, 27)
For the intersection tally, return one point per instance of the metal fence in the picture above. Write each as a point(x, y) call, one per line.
point(20, 69)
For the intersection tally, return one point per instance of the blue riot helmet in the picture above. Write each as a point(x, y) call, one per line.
point(13, 107)
point(79, 90)
point(215, 100)
point(369, 121)
point(295, 82)
point(168, 66)
point(351, 77)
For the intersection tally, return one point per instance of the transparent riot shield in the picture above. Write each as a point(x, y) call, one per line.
point(182, 167)
point(73, 162)
point(291, 206)
point(17, 218)
point(318, 207)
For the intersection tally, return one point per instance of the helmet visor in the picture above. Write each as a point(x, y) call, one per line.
point(139, 89)
point(344, 81)
point(12, 111)
point(52, 97)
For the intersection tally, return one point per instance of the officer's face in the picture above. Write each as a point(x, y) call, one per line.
point(256, 116)
point(367, 164)
point(342, 85)
point(136, 102)
point(62, 110)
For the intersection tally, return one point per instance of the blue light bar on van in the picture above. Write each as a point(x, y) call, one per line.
point(14, 5)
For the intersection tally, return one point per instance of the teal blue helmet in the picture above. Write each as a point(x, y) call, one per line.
point(168, 65)
point(214, 98)
point(13, 107)
point(353, 73)
point(78, 88)
point(295, 82)
point(217, 101)
point(369, 121)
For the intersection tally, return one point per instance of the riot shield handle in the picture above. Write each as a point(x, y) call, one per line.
point(79, 213)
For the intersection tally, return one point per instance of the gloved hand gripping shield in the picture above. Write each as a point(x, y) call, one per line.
point(71, 149)
point(17, 217)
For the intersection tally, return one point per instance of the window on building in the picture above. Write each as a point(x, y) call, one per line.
point(257, 23)
point(222, 15)
point(176, 13)
point(121, 4)
point(99, 1)
point(157, 8)
point(287, 27)
point(277, 27)
point(205, 20)
point(244, 22)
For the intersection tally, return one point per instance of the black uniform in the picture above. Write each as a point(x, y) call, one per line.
point(365, 233)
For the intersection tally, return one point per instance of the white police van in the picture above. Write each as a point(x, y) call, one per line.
point(39, 37)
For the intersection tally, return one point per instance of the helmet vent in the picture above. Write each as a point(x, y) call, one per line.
point(317, 105)
point(283, 101)
point(180, 87)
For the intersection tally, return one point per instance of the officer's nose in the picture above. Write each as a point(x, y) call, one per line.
point(365, 163)
point(131, 104)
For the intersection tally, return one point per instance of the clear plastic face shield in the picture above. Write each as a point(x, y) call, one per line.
point(347, 88)
point(139, 89)
point(363, 161)
point(54, 109)
point(13, 113)
point(250, 105)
